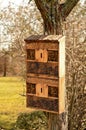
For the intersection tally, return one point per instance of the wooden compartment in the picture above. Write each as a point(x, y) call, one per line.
point(30, 54)
point(52, 55)
point(31, 88)
point(45, 104)
point(42, 68)
point(52, 91)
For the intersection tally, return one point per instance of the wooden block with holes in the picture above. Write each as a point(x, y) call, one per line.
point(45, 61)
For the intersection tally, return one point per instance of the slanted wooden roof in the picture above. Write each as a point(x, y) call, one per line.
point(43, 38)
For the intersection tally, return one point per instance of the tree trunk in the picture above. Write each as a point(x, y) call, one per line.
point(53, 26)
point(5, 67)
point(57, 122)
point(53, 15)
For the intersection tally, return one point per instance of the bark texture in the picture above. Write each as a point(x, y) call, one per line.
point(54, 14)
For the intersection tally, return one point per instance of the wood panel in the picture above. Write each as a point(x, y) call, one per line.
point(61, 95)
point(43, 76)
point(37, 45)
point(42, 68)
point(62, 57)
point(41, 55)
point(49, 82)
point(41, 90)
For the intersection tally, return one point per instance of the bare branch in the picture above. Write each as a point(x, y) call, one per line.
point(68, 6)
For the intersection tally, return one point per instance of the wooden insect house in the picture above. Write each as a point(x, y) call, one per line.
point(46, 73)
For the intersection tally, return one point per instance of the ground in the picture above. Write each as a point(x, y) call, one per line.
point(12, 101)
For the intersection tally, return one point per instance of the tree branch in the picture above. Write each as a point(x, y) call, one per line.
point(43, 10)
point(68, 6)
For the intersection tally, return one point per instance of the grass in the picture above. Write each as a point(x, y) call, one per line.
point(12, 100)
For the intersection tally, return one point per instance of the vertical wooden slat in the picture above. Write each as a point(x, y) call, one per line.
point(41, 55)
point(41, 90)
point(62, 75)
point(62, 57)
point(61, 95)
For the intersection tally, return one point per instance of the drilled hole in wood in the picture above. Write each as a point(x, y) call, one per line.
point(41, 55)
point(41, 90)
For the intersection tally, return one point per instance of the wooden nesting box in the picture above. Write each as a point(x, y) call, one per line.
point(46, 73)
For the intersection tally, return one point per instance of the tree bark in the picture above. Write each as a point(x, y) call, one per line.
point(5, 67)
point(50, 13)
point(57, 121)
point(54, 14)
